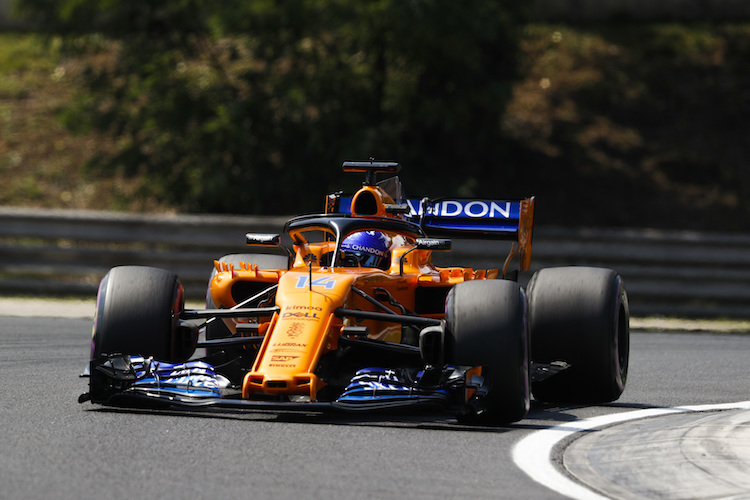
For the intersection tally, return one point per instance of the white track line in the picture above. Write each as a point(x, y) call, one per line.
point(533, 454)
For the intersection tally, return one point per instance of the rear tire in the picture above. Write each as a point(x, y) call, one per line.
point(486, 326)
point(580, 315)
point(138, 309)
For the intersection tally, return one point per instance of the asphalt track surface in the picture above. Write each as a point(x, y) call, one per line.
point(54, 447)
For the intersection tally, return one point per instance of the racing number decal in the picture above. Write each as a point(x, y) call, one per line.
point(328, 283)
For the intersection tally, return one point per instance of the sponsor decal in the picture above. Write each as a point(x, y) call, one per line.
point(462, 208)
point(468, 209)
point(262, 239)
point(301, 312)
point(432, 242)
point(310, 258)
point(289, 344)
point(362, 248)
point(306, 308)
point(283, 358)
point(294, 331)
point(300, 315)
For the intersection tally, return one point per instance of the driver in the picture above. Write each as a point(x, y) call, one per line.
point(366, 249)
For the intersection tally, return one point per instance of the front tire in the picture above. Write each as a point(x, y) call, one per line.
point(486, 327)
point(138, 310)
point(580, 315)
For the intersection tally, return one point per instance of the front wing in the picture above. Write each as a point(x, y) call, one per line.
point(134, 381)
point(122, 380)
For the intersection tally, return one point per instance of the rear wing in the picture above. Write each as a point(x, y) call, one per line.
point(466, 218)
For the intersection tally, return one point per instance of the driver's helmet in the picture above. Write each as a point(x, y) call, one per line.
point(367, 249)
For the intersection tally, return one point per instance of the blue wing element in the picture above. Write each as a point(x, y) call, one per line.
point(188, 382)
point(460, 217)
point(382, 388)
point(194, 379)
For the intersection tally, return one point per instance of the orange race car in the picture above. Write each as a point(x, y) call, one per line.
point(351, 314)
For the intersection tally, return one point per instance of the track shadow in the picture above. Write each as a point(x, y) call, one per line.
point(414, 420)
point(562, 413)
point(425, 420)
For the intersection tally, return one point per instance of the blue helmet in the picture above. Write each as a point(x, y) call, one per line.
point(367, 249)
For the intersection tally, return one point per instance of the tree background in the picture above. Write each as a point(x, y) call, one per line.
point(250, 107)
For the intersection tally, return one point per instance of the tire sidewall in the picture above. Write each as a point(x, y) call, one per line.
point(486, 326)
point(580, 315)
point(138, 309)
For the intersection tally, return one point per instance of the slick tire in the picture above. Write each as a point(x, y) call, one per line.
point(486, 327)
point(580, 315)
point(138, 311)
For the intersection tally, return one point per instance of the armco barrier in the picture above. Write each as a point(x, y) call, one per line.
point(67, 252)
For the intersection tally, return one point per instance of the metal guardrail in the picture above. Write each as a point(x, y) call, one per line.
point(671, 273)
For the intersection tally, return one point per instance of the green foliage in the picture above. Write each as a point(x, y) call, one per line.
point(241, 106)
point(28, 54)
point(646, 122)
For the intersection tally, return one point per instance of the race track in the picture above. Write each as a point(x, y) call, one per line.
point(55, 447)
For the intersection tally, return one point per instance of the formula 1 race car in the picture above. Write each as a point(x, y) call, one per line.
point(355, 316)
